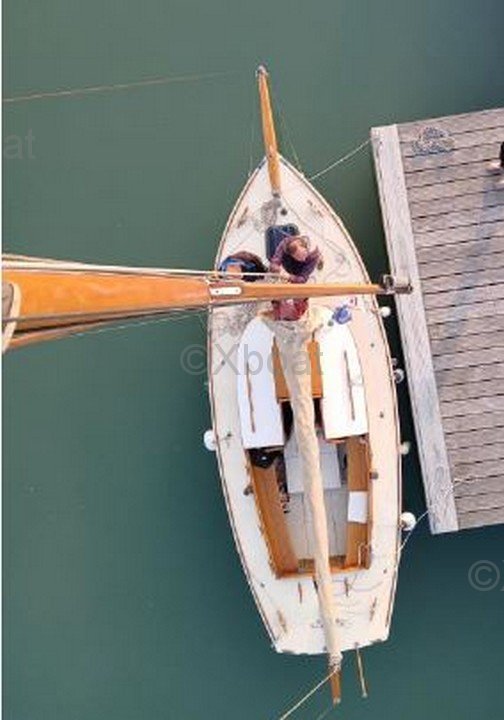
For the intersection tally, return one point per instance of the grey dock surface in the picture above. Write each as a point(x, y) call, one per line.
point(443, 213)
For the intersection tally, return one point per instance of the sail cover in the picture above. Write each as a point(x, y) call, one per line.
point(292, 339)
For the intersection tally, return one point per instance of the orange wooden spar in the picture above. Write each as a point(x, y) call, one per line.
point(278, 291)
point(268, 127)
point(51, 299)
point(335, 682)
point(61, 298)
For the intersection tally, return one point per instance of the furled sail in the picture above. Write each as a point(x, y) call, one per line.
point(292, 339)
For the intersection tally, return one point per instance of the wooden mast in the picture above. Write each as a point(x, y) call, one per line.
point(268, 128)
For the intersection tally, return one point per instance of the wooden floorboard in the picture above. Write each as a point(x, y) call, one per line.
point(443, 211)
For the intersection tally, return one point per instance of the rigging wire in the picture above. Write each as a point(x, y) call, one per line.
point(13, 262)
point(177, 314)
point(306, 697)
point(286, 129)
point(340, 160)
point(114, 87)
point(252, 137)
point(325, 712)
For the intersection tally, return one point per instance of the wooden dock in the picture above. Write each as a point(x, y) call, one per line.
point(443, 214)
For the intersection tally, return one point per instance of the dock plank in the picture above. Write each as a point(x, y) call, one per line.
point(484, 501)
point(478, 200)
point(470, 438)
point(477, 373)
point(471, 278)
point(464, 296)
point(468, 358)
point(482, 232)
point(436, 267)
point(467, 470)
point(458, 187)
point(454, 124)
point(465, 327)
point(456, 313)
point(475, 341)
point(480, 518)
point(490, 419)
point(477, 486)
point(447, 175)
point(488, 403)
point(465, 156)
point(466, 139)
point(466, 390)
point(443, 214)
point(449, 220)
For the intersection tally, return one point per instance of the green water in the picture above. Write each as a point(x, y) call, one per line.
point(123, 594)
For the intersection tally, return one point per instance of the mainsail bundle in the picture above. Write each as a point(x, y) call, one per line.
point(292, 338)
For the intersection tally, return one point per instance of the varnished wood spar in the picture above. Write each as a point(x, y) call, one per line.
point(51, 299)
point(279, 291)
point(335, 681)
point(268, 127)
point(54, 298)
point(57, 303)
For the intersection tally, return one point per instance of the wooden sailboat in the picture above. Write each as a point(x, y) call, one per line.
point(309, 605)
point(357, 426)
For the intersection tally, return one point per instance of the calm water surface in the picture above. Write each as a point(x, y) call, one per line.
point(123, 594)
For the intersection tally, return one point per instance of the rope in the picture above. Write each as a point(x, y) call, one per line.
point(426, 513)
point(71, 92)
point(325, 712)
point(305, 697)
point(341, 160)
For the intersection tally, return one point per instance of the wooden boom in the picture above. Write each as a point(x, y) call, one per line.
point(268, 128)
point(56, 301)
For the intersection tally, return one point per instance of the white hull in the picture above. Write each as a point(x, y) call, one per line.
point(364, 598)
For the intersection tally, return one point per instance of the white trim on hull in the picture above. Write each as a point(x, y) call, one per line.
point(289, 606)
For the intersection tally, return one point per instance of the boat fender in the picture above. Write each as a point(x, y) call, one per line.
point(385, 311)
point(398, 376)
point(404, 448)
point(408, 521)
point(209, 440)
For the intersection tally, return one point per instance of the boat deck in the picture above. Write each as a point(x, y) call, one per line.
point(443, 213)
